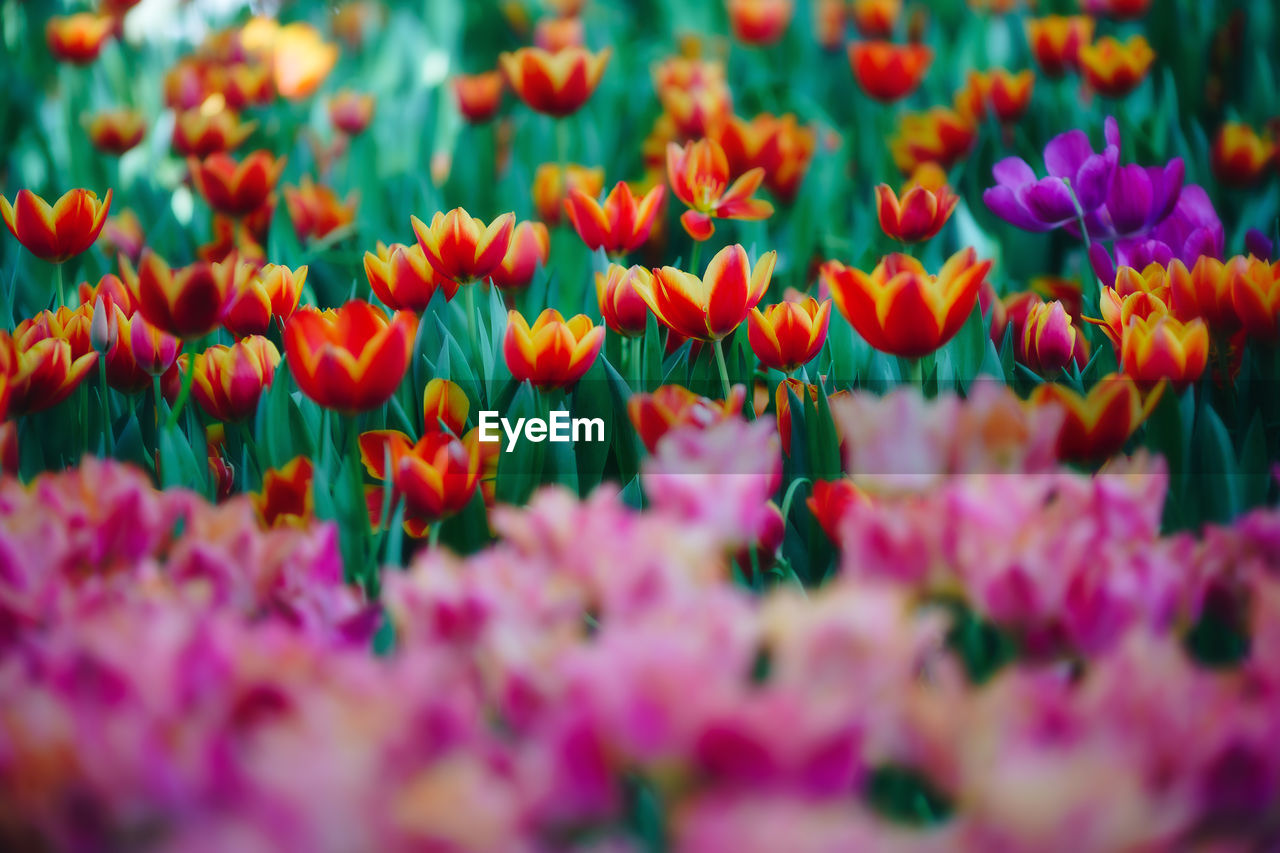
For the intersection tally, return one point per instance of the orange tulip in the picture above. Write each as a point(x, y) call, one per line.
point(1206, 291)
point(78, 38)
point(112, 290)
point(831, 502)
point(699, 175)
point(782, 407)
point(273, 291)
point(790, 334)
point(875, 19)
point(829, 20)
point(557, 84)
point(236, 188)
point(1255, 293)
point(919, 215)
point(402, 278)
point(553, 353)
point(197, 133)
point(621, 225)
point(1056, 41)
point(1050, 341)
point(886, 71)
point(116, 131)
point(1113, 68)
point(530, 247)
point(229, 381)
point(713, 306)
point(940, 135)
point(351, 112)
point(301, 60)
point(779, 145)
point(674, 406)
point(1164, 348)
point(552, 184)
point(316, 211)
point(760, 22)
point(350, 359)
point(1009, 94)
point(479, 96)
point(902, 310)
point(58, 232)
point(189, 302)
point(694, 94)
point(1097, 425)
point(286, 499)
point(1117, 309)
point(437, 476)
point(623, 308)
point(152, 350)
point(1241, 156)
point(444, 407)
point(52, 356)
point(461, 247)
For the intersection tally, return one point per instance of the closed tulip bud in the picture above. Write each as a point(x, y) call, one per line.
point(918, 216)
point(554, 352)
point(552, 183)
point(1255, 293)
point(759, 22)
point(229, 381)
point(623, 308)
point(153, 350)
point(676, 407)
point(437, 476)
point(886, 71)
point(78, 38)
point(713, 306)
point(619, 226)
point(831, 503)
point(1097, 425)
point(461, 247)
point(200, 134)
point(189, 302)
point(1056, 41)
point(557, 84)
point(57, 232)
point(789, 335)
point(102, 329)
point(445, 407)
point(351, 112)
point(124, 373)
point(1240, 156)
point(350, 359)
point(236, 189)
point(1050, 341)
point(116, 131)
point(530, 247)
point(286, 499)
point(479, 96)
point(403, 279)
point(1113, 68)
point(1164, 348)
point(902, 310)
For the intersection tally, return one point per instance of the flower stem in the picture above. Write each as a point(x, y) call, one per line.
point(364, 528)
point(58, 285)
point(724, 371)
point(107, 441)
point(188, 378)
point(562, 153)
point(695, 266)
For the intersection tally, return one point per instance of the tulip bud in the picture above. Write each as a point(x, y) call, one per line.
point(1049, 340)
point(102, 329)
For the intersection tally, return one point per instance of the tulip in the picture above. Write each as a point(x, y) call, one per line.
point(301, 60)
point(557, 84)
point(229, 381)
point(403, 279)
point(351, 112)
point(1162, 347)
point(116, 131)
point(460, 247)
point(886, 71)
point(1010, 94)
point(555, 34)
point(676, 407)
point(273, 291)
point(940, 135)
point(789, 335)
point(444, 407)
point(52, 357)
point(759, 22)
point(437, 476)
point(875, 19)
point(78, 38)
point(235, 239)
point(1206, 291)
point(1056, 41)
point(699, 175)
point(286, 499)
point(125, 372)
point(919, 215)
point(197, 133)
point(111, 290)
point(221, 472)
point(234, 188)
point(529, 249)
point(553, 353)
point(1117, 309)
point(1255, 293)
point(479, 96)
point(779, 145)
point(151, 349)
point(58, 232)
point(1241, 156)
point(189, 302)
point(713, 306)
point(1114, 69)
point(902, 310)
point(350, 359)
point(694, 94)
point(832, 501)
point(552, 183)
point(829, 24)
point(315, 210)
point(621, 225)
point(123, 235)
point(1097, 425)
point(1050, 341)
point(782, 406)
point(244, 84)
point(623, 308)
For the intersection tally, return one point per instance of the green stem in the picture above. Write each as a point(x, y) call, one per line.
point(433, 538)
point(696, 259)
point(58, 285)
point(12, 294)
point(635, 362)
point(365, 528)
point(469, 305)
point(188, 379)
point(562, 153)
point(83, 394)
point(720, 365)
point(915, 374)
point(108, 441)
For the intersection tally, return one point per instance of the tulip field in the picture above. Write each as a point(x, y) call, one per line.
point(712, 426)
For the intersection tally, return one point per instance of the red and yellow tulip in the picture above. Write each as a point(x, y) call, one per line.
point(351, 112)
point(271, 292)
point(552, 184)
point(713, 306)
point(623, 308)
point(789, 335)
point(782, 407)
point(445, 407)
point(1240, 155)
point(777, 144)
point(199, 133)
point(350, 359)
point(78, 38)
point(479, 96)
point(557, 84)
point(229, 380)
point(189, 302)
point(699, 175)
point(436, 476)
point(1206, 291)
point(674, 406)
point(1097, 425)
point(760, 22)
point(530, 247)
point(59, 231)
point(1162, 347)
point(554, 352)
point(1255, 293)
point(875, 19)
point(925, 206)
point(316, 211)
point(403, 279)
point(886, 71)
point(1114, 68)
point(461, 247)
point(621, 225)
point(116, 131)
point(53, 355)
point(286, 499)
point(940, 135)
point(1050, 341)
point(236, 189)
point(1056, 41)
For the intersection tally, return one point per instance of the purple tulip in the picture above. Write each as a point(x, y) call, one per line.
point(1258, 244)
point(1042, 204)
point(1190, 231)
point(1140, 198)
